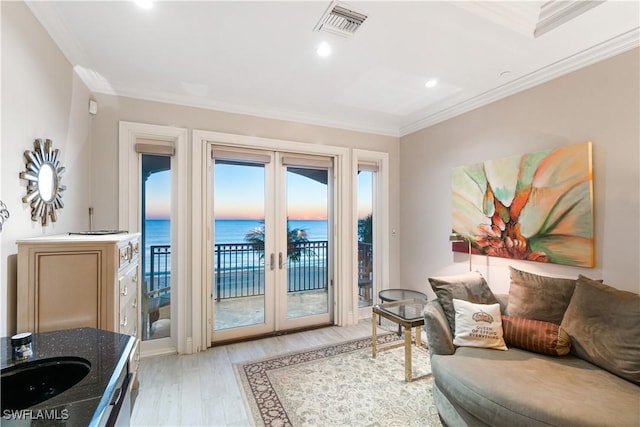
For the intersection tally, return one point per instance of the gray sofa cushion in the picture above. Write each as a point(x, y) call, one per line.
point(604, 326)
point(469, 286)
point(520, 388)
point(436, 326)
point(532, 296)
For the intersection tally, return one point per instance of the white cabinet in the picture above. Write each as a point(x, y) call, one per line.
point(73, 281)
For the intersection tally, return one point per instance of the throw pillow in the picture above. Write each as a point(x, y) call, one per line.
point(604, 326)
point(533, 296)
point(469, 286)
point(478, 325)
point(535, 335)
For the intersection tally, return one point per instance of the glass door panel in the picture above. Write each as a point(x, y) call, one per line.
point(239, 244)
point(307, 208)
point(156, 241)
point(271, 262)
point(365, 238)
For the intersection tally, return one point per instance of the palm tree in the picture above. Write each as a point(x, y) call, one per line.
point(295, 238)
point(365, 229)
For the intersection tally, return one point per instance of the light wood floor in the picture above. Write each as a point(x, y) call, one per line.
point(202, 389)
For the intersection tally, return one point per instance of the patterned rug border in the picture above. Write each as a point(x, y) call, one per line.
point(256, 385)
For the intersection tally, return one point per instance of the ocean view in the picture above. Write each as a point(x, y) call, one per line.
point(232, 230)
point(227, 231)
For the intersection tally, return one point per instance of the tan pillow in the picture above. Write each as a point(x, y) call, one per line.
point(478, 325)
point(536, 336)
point(604, 326)
point(469, 286)
point(533, 296)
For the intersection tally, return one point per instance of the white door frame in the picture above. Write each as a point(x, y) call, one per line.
point(129, 218)
point(202, 238)
point(381, 233)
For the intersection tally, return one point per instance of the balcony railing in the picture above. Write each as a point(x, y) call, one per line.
point(159, 271)
point(239, 269)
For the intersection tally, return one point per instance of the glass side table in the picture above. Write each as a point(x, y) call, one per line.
point(387, 295)
point(407, 314)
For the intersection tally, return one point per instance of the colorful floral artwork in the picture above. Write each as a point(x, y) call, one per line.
point(536, 207)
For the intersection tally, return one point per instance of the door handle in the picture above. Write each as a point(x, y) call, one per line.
point(280, 263)
point(272, 261)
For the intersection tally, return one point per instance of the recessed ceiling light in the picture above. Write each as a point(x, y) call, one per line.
point(505, 73)
point(324, 49)
point(144, 4)
point(431, 83)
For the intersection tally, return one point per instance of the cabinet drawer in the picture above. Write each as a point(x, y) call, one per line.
point(128, 253)
point(128, 319)
point(128, 283)
point(135, 249)
point(128, 325)
point(128, 301)
point(125, 256)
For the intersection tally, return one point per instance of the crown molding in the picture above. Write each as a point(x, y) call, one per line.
point(58, 31)
point(518, 16)
point(266, 113)
point(599, 52)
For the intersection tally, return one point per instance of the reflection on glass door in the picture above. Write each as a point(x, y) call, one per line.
point(156, 240)
point(307, 210)
point(239, 244)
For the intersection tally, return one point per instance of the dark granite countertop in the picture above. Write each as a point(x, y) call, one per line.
point(85, 402)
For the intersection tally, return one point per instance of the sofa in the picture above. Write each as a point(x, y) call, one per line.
point(578, 365)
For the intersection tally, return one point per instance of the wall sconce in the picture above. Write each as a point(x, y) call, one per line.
point(457, 237)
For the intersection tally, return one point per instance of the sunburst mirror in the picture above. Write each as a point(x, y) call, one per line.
point(43, 173)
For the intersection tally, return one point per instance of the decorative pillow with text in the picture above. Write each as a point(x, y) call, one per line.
point(478, 325)
point(469, 286)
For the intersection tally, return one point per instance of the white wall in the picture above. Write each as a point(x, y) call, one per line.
point(41, 98)
point(599, 103)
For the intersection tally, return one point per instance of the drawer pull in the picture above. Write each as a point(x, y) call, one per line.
point(124, 322)
point(124, 291)
point(135, 303)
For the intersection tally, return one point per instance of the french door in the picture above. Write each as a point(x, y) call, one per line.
point(271, 262)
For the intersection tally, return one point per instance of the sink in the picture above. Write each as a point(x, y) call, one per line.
point(30, 383)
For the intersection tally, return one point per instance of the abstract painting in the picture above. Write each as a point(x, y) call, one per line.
point(536, 207)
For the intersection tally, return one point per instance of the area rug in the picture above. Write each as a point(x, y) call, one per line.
point(341, 385)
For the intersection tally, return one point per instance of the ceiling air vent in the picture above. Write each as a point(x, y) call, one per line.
point(339, 19)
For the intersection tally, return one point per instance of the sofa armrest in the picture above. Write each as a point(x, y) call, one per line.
point(439, 335)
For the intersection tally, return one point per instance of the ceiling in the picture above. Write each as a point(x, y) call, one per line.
point(260, 58)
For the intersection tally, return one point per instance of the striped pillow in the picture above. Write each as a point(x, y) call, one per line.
point(536, 335)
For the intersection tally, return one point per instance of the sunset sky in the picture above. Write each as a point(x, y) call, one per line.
point(239, 194)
